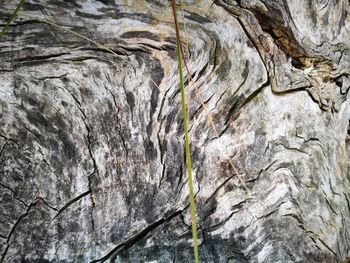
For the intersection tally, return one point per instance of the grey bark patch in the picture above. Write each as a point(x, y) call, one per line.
point(197, 18)
point(140, 34)
point(92, 164)
point(224, 69)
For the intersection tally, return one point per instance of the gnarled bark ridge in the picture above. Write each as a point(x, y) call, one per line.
point(91, 144)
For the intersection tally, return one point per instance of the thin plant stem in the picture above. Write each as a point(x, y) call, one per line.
point(21, 3)
point(185, 29)
point(187, 142)
point(200, 99)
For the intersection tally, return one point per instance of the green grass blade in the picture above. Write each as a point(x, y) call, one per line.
point(12, 17)
point(187, 141)
point(188, 159)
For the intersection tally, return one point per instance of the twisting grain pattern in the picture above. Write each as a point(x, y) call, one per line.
point(91, 168)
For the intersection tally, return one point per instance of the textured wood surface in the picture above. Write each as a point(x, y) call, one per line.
point(91, 150)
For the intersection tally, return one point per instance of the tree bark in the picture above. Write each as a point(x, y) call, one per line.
point(91, 134)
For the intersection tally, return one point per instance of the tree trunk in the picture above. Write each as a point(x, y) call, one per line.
point(91, 134)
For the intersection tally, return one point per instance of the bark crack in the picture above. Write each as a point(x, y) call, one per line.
point(162, 176)
point(241, 102)
point(347, 202)
point(201, 106)
point(222, 222)
point(128, 243)
point(10, 140)
point(217, 189)
point(269, 213)
point(39, 58)
point(328, 203)
point(95, 168)
point(14, 194)
point(331, 250)
point(69, 203)
point(118, 121)
point(264, 170)
point(19, 219)
point(291, 148)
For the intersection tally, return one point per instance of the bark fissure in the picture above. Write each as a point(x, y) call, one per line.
point(70, 202)
point(128, 243)
point(217, 190)
point(13, 229)
point(86, 129)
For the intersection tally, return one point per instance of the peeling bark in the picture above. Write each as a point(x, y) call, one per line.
point(91, 144)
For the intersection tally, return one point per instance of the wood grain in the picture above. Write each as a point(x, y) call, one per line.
point(91, 142)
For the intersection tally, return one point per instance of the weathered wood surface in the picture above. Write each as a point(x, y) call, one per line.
point(91, 152)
